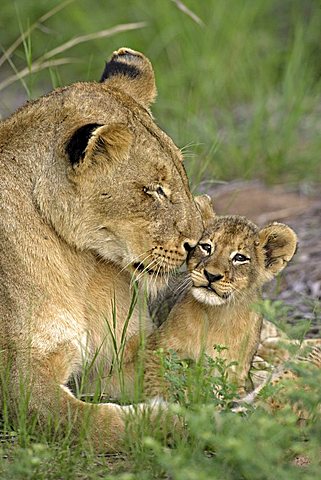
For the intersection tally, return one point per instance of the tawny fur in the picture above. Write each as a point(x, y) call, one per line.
point(221, 311)
point(87, 178)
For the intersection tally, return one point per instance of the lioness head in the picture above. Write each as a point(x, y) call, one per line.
point(117, 185)
point(234, 258)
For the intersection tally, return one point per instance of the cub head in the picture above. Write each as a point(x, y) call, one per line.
point(125, 194)
point(234, 259)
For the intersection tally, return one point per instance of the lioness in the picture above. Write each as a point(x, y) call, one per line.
point(87, 178)
point(227, 269)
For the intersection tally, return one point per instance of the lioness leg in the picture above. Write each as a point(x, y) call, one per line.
point(51, 402)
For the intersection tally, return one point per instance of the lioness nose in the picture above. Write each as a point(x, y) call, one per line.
point(213, 277)
point(189, 245)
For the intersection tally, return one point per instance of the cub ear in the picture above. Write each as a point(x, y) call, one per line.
point(205, 206)
point(93, 142)
point(133, 73)
point(279, 244)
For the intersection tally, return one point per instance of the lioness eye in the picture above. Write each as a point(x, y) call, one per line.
point(206, 247)
point(152, 190)
point(239, 258)
point(160, 191)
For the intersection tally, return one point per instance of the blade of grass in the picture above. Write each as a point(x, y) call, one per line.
point(183, 8)
point(26, 42)
point(41, 63)
point(87, 369)
point(124, 330)
point(9, 51)
point(16, 77)
point(92, 36)
point(36, 67)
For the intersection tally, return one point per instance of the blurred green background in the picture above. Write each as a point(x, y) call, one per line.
point(238, 80)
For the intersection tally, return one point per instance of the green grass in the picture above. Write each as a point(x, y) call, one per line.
point(241, 93)
point(241, 90)
point(216, 443)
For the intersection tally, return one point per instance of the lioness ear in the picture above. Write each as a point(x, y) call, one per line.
point(205, 206)
point(133, 73)
point(93, 142)
point(279, 243)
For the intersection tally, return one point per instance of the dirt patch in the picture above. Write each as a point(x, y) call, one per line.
point(300, 285)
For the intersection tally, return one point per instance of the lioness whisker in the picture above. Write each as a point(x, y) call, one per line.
point(133, 261)
point(148, 266)
point(168, 276)
point(156, 272)
point(182, 287)
point(141, 273)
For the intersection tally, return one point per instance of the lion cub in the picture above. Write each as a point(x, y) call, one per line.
point(226, 270)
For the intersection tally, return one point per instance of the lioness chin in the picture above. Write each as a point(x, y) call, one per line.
point(87, 178)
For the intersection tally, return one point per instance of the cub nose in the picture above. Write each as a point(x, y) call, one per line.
point(213, 277)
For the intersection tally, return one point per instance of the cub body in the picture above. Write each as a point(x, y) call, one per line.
point(226, 272)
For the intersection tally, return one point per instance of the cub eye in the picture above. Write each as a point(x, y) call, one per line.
point(206, 247)
point(239, 258)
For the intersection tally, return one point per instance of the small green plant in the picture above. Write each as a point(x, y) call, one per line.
point(200, 382)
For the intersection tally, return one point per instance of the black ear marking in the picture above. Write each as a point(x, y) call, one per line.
point(77, 144)
point(114, 67)
point(273, 243)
